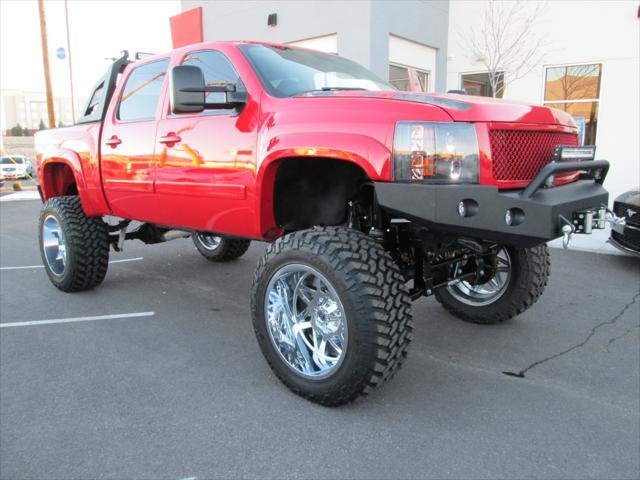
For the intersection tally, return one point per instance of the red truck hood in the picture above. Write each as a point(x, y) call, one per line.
point(467, 108)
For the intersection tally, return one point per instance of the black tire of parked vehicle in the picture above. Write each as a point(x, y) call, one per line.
point(529, 275)
point(228, 249)
point(376, 304)
point(86, 241)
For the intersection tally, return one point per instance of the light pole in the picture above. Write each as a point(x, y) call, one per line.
point(73, 102)
point(45, 64)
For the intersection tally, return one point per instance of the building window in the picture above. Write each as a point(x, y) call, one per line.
point(479, 84)
point(408, 79)
point(576, 90)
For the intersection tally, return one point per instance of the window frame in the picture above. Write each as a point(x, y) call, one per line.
point(477, 72)
point(116, 120)
point(566, 65)
point(574, 64)
point(231, 112)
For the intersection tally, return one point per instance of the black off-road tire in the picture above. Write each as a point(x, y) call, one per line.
point(529, 277)
point(87, 244)
point(228, 249)
point(376, 304)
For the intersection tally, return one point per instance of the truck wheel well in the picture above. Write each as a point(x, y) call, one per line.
point(315, 191)
point(58, 180)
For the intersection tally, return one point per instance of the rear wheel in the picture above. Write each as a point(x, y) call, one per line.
point(519, 278)
point(216, 248)
point(331, 314)
point(74, 247)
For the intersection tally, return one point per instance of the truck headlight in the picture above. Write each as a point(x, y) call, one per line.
point(438, 152)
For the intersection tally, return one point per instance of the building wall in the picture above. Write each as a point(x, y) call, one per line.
point(362, 28)
point(577, 32)
point(28, 108)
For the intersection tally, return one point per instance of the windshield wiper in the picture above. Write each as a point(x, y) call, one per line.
point(328, 89)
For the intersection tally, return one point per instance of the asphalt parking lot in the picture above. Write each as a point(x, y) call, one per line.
point(184, 392)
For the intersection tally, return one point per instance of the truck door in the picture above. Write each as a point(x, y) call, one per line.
point(128, 141)
point(205, 165)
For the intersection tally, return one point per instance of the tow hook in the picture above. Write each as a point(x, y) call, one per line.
point(567, 232)
point(585, 221)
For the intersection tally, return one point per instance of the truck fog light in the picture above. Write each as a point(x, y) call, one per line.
point(514, 217)
point(462, 209)
point(467, 208)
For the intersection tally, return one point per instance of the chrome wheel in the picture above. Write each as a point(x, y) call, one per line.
point(306, 321)
point(485, 293)
point(54, 245)
point(209, 242)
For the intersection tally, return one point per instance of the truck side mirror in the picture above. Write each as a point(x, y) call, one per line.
point(186, 84)
point(187, 87)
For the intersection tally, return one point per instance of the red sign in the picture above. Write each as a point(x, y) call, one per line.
point(186, 27)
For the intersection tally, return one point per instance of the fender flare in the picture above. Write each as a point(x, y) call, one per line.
point(366, 152)
point(70, 159)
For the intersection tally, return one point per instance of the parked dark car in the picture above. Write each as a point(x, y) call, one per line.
point(626, 236)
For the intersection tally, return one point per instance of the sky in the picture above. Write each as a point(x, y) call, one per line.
point(99, 29)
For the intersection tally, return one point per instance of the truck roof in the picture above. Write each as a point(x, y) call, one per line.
point(214, 43)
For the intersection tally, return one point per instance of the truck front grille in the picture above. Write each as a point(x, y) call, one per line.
point(518, 155)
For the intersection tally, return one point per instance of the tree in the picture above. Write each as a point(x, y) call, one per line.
point(16, 131)
point(41, 125)
point(506, 42)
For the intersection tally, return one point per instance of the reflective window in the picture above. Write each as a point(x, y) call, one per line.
point(576, 90)
point(142, 91)
point(286, 72)
point(479, 84)
point(217, 70)
point(408, 79)
point(96, 99)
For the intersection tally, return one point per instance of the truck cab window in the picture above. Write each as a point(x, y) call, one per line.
point(217, 70)
point(142, 92)
point(96, 99)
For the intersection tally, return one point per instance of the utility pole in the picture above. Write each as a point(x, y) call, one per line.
point(73, 101)
point(45, 64)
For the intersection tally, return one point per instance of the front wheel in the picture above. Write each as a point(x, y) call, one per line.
point(331, 314)
point(519, 278)
point(74, 247)
point(219, 249)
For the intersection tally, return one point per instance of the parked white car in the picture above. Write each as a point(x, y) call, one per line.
point(14, 167)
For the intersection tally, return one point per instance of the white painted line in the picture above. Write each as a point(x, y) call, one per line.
point(21, 268)
point(25, 195)
point(26, 267)
point(77, 319)
point(127, 260)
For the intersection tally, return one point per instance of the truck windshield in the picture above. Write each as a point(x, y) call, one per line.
point(9, 161)
point(286, 72)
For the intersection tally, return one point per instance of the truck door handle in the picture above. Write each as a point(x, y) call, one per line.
point(170, 139)
point(113, 142)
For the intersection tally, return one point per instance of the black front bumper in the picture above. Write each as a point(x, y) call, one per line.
point(545, 210)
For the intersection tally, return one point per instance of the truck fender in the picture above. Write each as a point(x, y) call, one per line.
point(53, 185)
point(366, 152)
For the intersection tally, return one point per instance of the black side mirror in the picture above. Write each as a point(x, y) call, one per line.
point(187, 90)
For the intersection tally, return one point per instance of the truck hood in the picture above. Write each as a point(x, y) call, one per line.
point(467, 108)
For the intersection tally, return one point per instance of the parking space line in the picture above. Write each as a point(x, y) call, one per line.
point(26, 267)
point(77, 319)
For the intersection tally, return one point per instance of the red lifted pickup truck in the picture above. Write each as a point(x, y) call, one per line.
point(370, 197)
